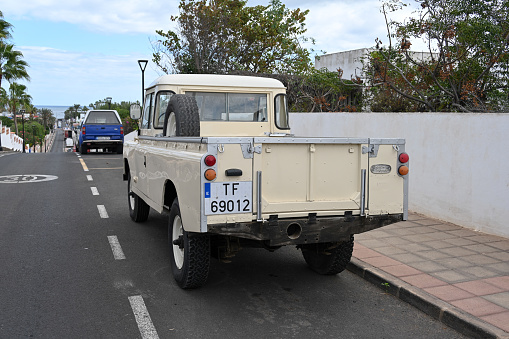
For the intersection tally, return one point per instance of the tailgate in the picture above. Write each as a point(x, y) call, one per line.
point(303, 175)
point(103, 131)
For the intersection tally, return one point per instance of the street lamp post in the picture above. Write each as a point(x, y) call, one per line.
point(33, 134)
point(108, 100)
point(143, 65)
point(22, 111)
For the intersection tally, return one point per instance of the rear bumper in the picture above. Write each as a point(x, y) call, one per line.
point(299, 231)
point(102, 143)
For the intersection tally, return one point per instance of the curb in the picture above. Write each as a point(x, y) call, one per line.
point(447, 314)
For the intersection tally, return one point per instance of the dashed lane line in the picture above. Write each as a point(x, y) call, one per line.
point(118, 254)
point(85, 168)
point(145, 325)
point(102, 211)
point(89, 178)
point(94, 190)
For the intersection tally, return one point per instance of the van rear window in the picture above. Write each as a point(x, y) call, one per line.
point(102, 118)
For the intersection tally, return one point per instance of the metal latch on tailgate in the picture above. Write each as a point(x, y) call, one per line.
point(371, 149)
point(248, 150)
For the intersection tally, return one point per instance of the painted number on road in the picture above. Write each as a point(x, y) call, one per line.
point(26, 178)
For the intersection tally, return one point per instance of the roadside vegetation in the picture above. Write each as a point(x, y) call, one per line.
point(464, 69)
point(466, 66)
point(16, 98)
point(229, 37)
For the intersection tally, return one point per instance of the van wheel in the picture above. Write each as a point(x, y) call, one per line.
point(190, 252)
point(328, 258)
point(182, 118)
point(138, 209)
point(120, 149)
point(83, 149)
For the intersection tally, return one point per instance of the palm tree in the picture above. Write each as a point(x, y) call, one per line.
point(17, 97)
point(31, 110)
point(5, 28)
point(12, 65)
point(46, 114)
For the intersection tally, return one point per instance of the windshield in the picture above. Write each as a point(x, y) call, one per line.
point(231, 106)
point(102, 118)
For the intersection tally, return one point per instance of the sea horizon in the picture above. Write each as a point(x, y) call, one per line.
point(58, 111)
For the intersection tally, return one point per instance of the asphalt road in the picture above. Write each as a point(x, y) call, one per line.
point(68, 270)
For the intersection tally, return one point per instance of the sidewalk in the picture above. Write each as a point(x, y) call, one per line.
point(456, 275)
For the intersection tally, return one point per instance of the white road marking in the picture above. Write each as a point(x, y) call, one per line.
point(85, 168)
point(118, 254)
point(26, 178)
point(145, 325)
point(102, 211)
point(94, 190)
point(89, 178)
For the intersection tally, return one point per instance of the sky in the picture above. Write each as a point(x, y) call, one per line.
point(82, 51)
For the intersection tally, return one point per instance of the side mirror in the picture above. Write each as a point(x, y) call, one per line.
point(135, 111)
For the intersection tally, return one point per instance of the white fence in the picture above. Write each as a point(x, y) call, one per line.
point(9, 139)
point(459, 162)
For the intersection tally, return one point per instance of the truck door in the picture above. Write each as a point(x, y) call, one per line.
point(140, 166)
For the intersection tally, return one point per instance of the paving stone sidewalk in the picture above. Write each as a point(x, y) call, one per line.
point(454, 274)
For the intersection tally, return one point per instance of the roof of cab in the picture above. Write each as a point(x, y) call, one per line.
point(216, 80)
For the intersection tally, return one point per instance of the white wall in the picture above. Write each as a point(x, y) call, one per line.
point(350, 62)
point(459, 162)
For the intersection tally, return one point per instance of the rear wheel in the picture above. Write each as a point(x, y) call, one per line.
point(190, 252)
point(83, 149)
point(182, 118)
point(328, 258)
point(138, 209)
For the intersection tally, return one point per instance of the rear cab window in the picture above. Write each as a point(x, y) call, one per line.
point(102, 118)
point(241, 107)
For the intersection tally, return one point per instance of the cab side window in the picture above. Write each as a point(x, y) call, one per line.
point(147, 111)
point(163, 98)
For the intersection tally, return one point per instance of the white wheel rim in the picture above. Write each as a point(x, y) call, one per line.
point(171, 128)
point(177, 231)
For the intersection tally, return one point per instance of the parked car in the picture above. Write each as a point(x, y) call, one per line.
point(215, 152)
point(101, 129)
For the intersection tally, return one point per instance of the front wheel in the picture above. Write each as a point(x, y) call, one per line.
point(190, 252)
point(328, 258)
point(138, 209)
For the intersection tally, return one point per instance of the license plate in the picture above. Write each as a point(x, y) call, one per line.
point(103, 138)
point(228, 197)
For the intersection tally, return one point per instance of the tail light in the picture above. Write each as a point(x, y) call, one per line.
point(83, 130)
point(210, 173)
point(403, 159)
point(210, 160)
point(121, 130)
point(403, 170)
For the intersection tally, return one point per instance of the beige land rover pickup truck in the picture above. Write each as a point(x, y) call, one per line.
point(216, 153)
